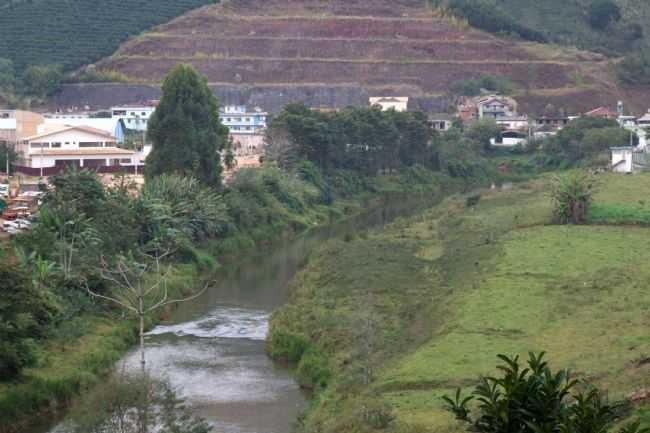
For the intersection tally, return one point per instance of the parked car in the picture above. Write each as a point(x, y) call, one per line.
point(23, 223)
point(10, 225)
point(9, 215)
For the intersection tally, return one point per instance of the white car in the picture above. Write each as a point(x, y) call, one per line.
point(10, 225)
point(12, 231)
point(23, 223)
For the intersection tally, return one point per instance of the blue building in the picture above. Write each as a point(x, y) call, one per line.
point(241, 121)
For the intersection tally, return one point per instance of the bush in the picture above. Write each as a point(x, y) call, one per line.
point(602, 13)
point(635, 68)
point(534, 399)
point(287, 346)
point(572, 195)
point(489, 16)
point(313, 371)
point(492, 83)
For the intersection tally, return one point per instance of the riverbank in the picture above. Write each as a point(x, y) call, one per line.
point(383, 325)
point(72, 363)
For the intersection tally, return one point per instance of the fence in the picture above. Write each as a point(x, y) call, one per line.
point(52, 171)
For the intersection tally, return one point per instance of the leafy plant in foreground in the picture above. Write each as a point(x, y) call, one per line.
point(534, 399)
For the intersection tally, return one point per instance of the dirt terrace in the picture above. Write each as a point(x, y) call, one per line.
point(431, 76)
point(337, 48)
point(214, 24)
point(373, 44)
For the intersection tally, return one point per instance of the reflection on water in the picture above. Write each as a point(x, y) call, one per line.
point(212, 350)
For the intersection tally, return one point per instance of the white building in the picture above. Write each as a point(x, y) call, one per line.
point(397, 103)
point(513, 122)
point(628, 159)
point(134, 117)
point(74, 145)
point(509, 139)
point(241, 121)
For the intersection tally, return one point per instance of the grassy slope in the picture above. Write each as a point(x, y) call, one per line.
point(453, 287)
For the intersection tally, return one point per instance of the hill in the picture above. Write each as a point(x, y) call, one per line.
point(425, 305)
point(269, 53)
point(76, 32)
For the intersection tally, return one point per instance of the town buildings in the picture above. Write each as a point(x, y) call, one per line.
point(15, 125)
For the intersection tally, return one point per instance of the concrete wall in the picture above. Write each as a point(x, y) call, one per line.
point(98, 96)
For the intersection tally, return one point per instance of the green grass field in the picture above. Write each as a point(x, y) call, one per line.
point(456, 286)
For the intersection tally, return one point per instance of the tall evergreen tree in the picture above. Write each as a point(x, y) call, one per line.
point(187, 135)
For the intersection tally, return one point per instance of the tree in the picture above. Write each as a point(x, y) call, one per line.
point(534, 399)
point(483, 131)
point(7, 76)
point(24, 313)
point(187, 135)
point(602, 13)
point(140, 288)
point(280, 148)
point(571, 195)
point(42, 81)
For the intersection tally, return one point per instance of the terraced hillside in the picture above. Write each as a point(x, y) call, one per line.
point(339, 52)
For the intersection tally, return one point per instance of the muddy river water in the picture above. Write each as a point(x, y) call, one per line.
point(212, 349)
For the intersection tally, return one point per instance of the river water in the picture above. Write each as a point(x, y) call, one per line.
point(212, 349)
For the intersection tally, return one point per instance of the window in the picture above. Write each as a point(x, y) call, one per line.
point(228, 119)
point(128, 120)
point(248, 128)
point(119, 113)
point(90, 144)
point(125, 161)
point(67, 143)
point(144, 114)
point(132, 113)
point(39, 145)
point(57, 144)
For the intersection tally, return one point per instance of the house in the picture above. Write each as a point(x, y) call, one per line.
point(15, 125)
point(628, 159)
point(82, 146)
point(496, 106)
point(548, 122)
point(114, 126)
point(441, 122)
point(644, 121)
point(509, 139)
point(134, 117)
point(397, 103)
point(240, 120)
point(603, 112)
point(513, 122)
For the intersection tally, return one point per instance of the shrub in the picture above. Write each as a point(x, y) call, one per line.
point(602, 13)
point(287, 346)
point(313, 371)
point(534, 399)
point(571, 195)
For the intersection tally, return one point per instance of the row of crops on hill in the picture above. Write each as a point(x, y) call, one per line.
point(71, 33)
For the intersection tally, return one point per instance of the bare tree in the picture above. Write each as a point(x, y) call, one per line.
point(280, 148)
point(136, 291)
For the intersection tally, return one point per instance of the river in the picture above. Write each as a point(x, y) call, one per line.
point(212, 348)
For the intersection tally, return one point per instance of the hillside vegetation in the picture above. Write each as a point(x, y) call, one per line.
point(385, 324)
point(77, 32)
point(611, 27)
